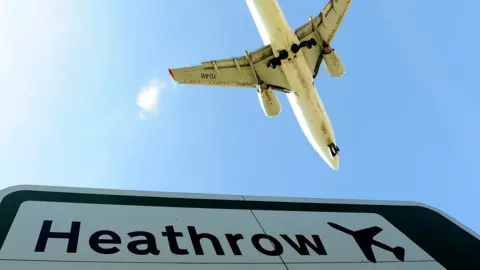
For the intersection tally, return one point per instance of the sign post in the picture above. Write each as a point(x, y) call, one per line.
point(45, 227)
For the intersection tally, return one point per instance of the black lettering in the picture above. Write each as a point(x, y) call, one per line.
point(149, 241)
point(212, 76)
point(95, 242)
point(172, 240)
point(303, 242)
point(277, 247)
point(232, 240)
point(195, 237)
point(45, 234)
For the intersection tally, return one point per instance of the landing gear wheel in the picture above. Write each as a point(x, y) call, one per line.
point(295, 48)
point(283, 54)
point(271, 64)
point(274, 63)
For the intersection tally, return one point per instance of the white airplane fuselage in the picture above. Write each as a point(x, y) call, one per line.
point(303, 98)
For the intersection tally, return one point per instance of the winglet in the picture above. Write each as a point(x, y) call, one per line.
point(171, 74)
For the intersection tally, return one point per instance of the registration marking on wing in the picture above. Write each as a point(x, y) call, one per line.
point(211, 76)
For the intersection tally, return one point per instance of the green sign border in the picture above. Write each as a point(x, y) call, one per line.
point(442, 239)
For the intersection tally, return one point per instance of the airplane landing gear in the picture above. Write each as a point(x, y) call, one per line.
point(277, 61)
point(274, 63)
point(283, 54)
point(308, 43)
point(334, 150)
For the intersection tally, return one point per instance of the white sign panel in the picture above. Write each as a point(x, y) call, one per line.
point(48, 228)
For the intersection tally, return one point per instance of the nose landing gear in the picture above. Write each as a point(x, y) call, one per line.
point(334, 150)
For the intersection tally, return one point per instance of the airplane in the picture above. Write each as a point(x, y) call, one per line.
point(364, 239)
point(298, 54)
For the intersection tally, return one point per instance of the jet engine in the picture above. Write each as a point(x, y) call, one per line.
point(269, 101)
point(333, 64)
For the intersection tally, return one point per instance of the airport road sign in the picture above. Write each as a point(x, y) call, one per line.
point(43, 227)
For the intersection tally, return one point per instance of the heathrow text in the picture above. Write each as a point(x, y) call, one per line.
point(145, 243)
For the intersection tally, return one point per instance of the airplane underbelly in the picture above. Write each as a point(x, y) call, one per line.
point(304, 99)
point(308, 108)
point(315, 124)
point(270, 22)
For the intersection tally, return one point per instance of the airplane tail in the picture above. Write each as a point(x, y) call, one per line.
point(364, 239)
point(399, 253)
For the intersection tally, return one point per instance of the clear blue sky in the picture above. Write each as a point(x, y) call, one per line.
point(406, 113)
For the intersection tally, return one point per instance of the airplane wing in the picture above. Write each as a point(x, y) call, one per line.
point(324, 26)
point(234, 72)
